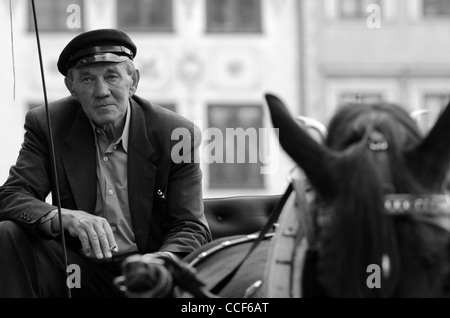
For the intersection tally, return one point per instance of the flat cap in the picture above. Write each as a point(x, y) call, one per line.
point(102, 45)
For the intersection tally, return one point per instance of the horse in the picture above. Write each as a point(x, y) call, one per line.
point(367, 215)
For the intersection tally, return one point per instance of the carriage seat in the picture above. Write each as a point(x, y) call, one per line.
point(238, 215)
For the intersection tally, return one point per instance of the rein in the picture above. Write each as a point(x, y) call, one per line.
point(52, 147)
point(262, 234)
point(225, 244)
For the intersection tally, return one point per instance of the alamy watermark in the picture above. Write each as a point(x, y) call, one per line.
point(374, 279)
point(74, 19)
point(375, 270)
point(74, 279)
point(235, 145)
point(374, 19)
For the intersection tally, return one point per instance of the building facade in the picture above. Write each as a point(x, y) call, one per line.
point(397, 51)
point(213, 60)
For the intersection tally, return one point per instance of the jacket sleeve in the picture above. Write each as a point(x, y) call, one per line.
point(22, 196)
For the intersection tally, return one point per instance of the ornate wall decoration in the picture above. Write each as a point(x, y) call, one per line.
point(190, 69)
point(154, 68)
point(235, 68)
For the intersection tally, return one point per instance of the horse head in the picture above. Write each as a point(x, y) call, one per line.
point(381, 200)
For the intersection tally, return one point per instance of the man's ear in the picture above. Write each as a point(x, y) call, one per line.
point(69, 85)
point(135, 78)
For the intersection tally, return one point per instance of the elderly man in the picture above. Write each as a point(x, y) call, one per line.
point(121, 190)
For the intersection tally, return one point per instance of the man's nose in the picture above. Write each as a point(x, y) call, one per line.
point(101, 88)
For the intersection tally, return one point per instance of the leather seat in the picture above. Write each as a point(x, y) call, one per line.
point(238, 215)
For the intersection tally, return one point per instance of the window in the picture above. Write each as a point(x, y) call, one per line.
point(233, 148)
point(145, 15)
point(362, 97)
point(56, 15)
point(355, 9)
point(434, 104)
point(233, 16)
point(436, 8)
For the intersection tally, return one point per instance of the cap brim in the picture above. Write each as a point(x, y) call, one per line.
point(98, 58)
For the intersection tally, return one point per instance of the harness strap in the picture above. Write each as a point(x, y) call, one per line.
point(433, 208)
point(269, 224)
point(434, 204)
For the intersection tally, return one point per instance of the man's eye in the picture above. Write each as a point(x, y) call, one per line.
point(112, 78)
point(86, 80)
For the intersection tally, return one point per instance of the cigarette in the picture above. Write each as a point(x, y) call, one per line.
point(114, 248)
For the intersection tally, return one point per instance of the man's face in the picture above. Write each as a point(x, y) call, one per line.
point(103, 90)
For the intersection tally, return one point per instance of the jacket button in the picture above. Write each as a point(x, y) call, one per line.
point(160, 194)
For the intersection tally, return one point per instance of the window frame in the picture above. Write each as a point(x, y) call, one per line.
point(168, 26)
point(215, 182)
point(361, 12)
point(438, 13)
point(444, 100)
point(214, 27)
point(40, 16)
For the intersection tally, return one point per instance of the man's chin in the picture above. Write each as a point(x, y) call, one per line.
point(105, 121)
point(106, 115)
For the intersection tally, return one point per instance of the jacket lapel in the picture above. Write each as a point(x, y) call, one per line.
point(79, 163)
point(141, 176)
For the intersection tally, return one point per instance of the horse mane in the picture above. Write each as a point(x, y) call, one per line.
point(355, 126)
point(361, 234)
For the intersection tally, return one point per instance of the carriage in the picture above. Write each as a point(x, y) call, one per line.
point(366, 214)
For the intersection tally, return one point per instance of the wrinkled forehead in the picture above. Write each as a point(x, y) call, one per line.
point(98, 69)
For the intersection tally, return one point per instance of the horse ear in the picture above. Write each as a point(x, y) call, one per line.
point(312, 157)
point(432, 155)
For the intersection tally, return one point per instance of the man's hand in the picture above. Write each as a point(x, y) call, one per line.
point(160, 254)
point(94, 232)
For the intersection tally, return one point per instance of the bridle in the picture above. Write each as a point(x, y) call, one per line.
point(428, 208)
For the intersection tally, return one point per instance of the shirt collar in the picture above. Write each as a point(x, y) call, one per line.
point(126, 130)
